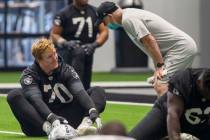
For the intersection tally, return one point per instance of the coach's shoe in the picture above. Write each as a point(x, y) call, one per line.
point(86, 128)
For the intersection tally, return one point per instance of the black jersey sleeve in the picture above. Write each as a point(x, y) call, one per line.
point(59, 19)
point(180, 83)
point(33, 94)
point(76, 88)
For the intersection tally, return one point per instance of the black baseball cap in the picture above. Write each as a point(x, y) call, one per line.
point(104, 9)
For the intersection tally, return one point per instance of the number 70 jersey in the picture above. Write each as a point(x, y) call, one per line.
point(58, 88)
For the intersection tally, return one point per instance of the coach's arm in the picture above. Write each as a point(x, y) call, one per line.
point(175, 109)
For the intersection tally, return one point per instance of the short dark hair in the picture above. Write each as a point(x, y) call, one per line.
point(104, 9)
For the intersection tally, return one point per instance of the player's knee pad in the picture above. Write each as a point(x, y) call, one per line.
point(99, 97)
point(13, 94)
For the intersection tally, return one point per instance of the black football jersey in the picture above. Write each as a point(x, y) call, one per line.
point(196, 108)
point(58, 88)
point(77, 24)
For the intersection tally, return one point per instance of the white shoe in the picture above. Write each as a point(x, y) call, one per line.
point(91, 130)
point(86, 128)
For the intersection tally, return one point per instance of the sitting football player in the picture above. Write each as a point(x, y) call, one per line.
point(52, 97)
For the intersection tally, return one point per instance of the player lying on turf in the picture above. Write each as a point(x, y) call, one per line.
point(52, 97)
point(185, 108)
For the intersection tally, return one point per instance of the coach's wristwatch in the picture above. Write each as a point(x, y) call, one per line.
point(159, 65)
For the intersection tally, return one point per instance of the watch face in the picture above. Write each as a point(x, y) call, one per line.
point(160, 65)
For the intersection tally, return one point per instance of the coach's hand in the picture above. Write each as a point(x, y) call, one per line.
point(72, 44)
point(90, 48)
point(160, 72)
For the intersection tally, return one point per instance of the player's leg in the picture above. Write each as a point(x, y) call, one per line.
point(98, 96)
point(30, 121)
point(73, 112)
point(152, 127)
point(87, 71)
point(77, 62)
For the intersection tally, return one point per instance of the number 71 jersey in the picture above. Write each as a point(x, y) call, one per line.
point(77, 24)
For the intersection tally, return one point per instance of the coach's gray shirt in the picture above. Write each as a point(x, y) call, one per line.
point(139, 23)
point(177, 48)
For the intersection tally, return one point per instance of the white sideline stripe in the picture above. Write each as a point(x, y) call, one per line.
point(129, 103)
point(11, 132)
point(103, 84)
point(113, 102)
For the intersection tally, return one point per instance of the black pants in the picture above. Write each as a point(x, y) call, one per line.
point(81, 62)
point(152, 127)
point(30, 120)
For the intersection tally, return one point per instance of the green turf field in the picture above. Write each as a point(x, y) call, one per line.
point(127, 114)
point(13, 77)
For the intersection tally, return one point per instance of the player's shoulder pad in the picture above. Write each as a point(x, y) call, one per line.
point(29, 75)
point(180, 82)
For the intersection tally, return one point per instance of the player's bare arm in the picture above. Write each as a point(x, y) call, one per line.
point(55, 34)
point(103, 34)
point(175, 110)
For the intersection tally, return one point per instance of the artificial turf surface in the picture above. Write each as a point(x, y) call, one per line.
point(13, 77)
point(129, 115)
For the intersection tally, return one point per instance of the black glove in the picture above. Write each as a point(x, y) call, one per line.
point(53, 117)
point(93, 114)
point(90, 48)
point(70, 45)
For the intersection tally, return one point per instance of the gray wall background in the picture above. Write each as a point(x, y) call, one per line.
point(191, 16)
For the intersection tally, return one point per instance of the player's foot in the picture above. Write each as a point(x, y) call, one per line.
point(86, 128)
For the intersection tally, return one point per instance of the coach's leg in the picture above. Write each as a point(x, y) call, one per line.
point(99, 97)
point(180, 57)
point(29, 119)
point(160, 88)
point(152, 127)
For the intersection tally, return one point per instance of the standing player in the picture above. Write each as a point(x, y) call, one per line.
point(53, 93)
point(185, 108)
point(169, 47)
point(77, 38)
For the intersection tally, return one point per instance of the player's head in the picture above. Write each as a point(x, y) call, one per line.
point(109, 13)
point(113, 128)
point(45, 54)
point(204, 83)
